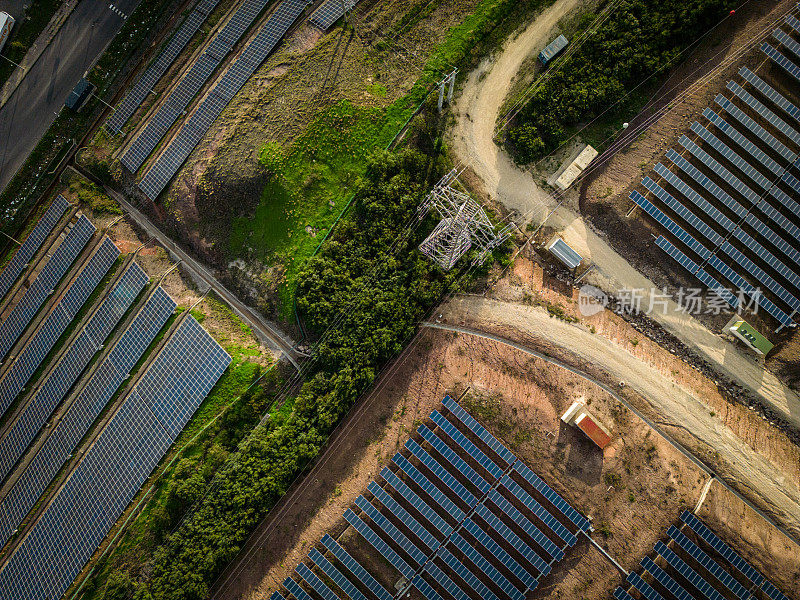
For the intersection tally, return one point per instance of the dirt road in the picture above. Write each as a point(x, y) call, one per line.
point(681, 413)
point(476, 112)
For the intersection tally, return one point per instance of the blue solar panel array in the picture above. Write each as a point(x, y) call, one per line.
point(330, 12)
point(145, 84)
point(88, 404)
point(428, 550)
point(111, 472)
point(255, 53)
point(679, 577)
point(770, 93)
point(191, 83)
point(69, 368)
point(62, 314)
point(32, 243)
point(45, 283)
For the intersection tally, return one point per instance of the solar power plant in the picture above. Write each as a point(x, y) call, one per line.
point(65, 310)
point(32, 243)
point(68, 369)
point(256, 51)
point(145, 84)
point(764, 112)
point(787, 41)
point(703, 567)
point(491, 549)
point(781, 60)
point(733, 134)
point(330, 12)
point(112, 471)
point(751, 125)
point(191, 84)
point(112, 371)
point(45, 283)
point(731, 156)
point(276, 596)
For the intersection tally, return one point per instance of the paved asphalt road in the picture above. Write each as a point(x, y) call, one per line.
point(32, 108)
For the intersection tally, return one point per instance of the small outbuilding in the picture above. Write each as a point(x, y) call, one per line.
point(553, 49)
point(572, 171)
point(79, 95)
point(748, 334)
point(559, 248)
point(578, 416)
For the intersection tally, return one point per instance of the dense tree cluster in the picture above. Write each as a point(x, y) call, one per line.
point(639, 38)
point(362, 295)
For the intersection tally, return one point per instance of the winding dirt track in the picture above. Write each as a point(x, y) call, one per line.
point(476, 111)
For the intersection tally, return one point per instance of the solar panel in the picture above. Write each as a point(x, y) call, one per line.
point(793, 23)
point(671, 226)
point(355, 568)
point(772, 591)
point(464, 573)
point(621, 594)
point(781, 60)
point(32, 243)
point(754, 127)
point(664, 579)
point(394, 507)
point(688, 573)
point(462, 415)
point(717, 544)
point(55, 323)
point(443, 580)
point(424, 587)
point(769, 116)
point(731, 156)
point(705, 561)
point(47, 280)
point(454, 459)
point(276, 596)
point(484, 565)
point(545, 490)
point(721, 171)
point(145, 84)
point(229, 84)
point(770, 93)
point(512, 538)
point(443, 474)
point(787, 41)
point(708, 185)
point(191, 84)
point(643, 587)
point(527, 580)
point(742, 141)
point(393, 532)
point(295, 590)
point(335, 575)
point(88, 404)
point(418, 503)
point(430, 489)
point(536, 534)
point(537, 509)
point(330, 12)
point(315, 582)
point(462, 440)
point(376, 542)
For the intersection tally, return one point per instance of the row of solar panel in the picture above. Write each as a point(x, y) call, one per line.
point(111, 372)
point(66, 309)
point(256, 51)
point(32, 243)
point(111, 472)
point(44, 284)
point(68, 369)
point(698, 580)
point(145, 84)
point(191, 83)
point(330, 12)
point(435, 532)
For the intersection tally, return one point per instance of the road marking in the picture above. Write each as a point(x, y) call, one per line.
point(117, 11)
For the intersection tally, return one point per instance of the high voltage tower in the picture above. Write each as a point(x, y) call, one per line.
point(448, 82)
point(464, 225)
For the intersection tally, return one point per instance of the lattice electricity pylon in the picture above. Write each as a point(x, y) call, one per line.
point(448, 82)
point(464, 225)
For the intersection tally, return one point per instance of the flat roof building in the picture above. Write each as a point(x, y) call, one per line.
point(578, 416)
point(559, 248)
point(748, 334)
point(553, 49)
